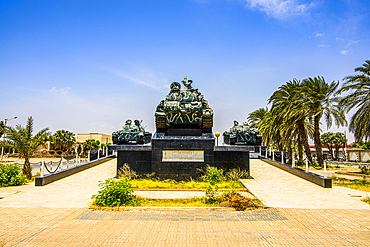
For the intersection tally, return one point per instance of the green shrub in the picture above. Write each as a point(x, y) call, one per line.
point(236, 174)
point(115, 193)
point(365, 170)
point(126, 171)
point(10, 175)
point(212, 175)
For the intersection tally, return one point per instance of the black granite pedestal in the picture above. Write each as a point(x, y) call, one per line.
point(183, 164)
point(138, 157)
point(181, 157)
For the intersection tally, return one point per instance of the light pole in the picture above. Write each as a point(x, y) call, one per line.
point(217, 134)
point(2, 147)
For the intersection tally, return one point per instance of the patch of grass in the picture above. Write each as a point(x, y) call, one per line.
point(172, 184)
point(116, 193)
point(33, 178)
point(366, 200)
point(180, 202)
point(361, 184)
point(2, 243)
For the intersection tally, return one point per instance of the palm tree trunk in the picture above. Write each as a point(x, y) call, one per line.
point(303, 135)
point(289, 147)
point(331, 152)
point(337, 152)
point(27, 168)
point(300, 148)
point(318, 144)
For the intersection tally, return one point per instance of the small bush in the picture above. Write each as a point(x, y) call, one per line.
point(236, 174)
point(126, 171)
point(10, 175)
point(115, 193)
point(365, 170)
point(212, 175)
point(367, 200)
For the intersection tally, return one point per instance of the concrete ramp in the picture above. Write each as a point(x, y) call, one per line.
point(280, 189)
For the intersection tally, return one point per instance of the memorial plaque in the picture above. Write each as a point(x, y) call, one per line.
point(183, 155)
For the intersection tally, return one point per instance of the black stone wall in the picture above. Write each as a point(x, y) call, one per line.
point(181, 170)
point(227, 160)
point(147, 159)
point(139, 161)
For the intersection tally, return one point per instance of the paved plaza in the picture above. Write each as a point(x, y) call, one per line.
point(300, 214)
point(279, 189)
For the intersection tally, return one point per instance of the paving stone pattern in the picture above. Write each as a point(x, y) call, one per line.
point(259, 215)
point(57, 215)
point(270, 227)
point(278, 188)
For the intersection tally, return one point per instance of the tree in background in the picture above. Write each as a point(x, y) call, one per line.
point(339, 141)
point(2, 128)
point(255, 117)
point(288, 106)
point(359, 98)
point(104, 145)
point(63, 139)
point(25, 143)
point(366, 145)
point(327, 139)
point(334, 140)
point(319, 98)
point(91, 144)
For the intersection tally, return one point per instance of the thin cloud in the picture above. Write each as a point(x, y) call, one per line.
point(344, 52)
point(62, 91)
point(351, 42)
point(320, 34)
point(280, 9)
point(339, 39)
point(143, 77)
point(323, 46)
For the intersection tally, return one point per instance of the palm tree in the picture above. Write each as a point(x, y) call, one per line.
point(256, 116)
point(271, 134)
point(2, 128)
point(320, 101)
point(25, 143)
point(287, 103)
point(358, 98)
point(327, 139)
point(63, 139)
point(91, 144)
point(339, 140)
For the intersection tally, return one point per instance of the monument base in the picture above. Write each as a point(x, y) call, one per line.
point(181, 157)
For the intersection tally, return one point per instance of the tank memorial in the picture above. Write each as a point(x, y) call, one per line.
point(183, 142)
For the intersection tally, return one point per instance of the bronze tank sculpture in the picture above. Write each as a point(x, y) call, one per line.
point(131, 133)
point(242, 134)
point(185, 108)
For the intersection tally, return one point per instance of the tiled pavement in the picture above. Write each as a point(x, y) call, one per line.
point(57, 216)
point(280, 189)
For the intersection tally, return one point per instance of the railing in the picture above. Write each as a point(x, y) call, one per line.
point(67, 162)
point(347, 163)
point(284, 156)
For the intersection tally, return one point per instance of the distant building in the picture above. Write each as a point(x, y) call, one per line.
point(326, 152)
point(103, 138)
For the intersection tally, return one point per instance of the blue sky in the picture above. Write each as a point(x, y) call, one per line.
point(87, 66)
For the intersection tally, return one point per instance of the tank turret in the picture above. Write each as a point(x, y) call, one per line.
point(131, 133)
point(242, 134)
point(184, 108)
